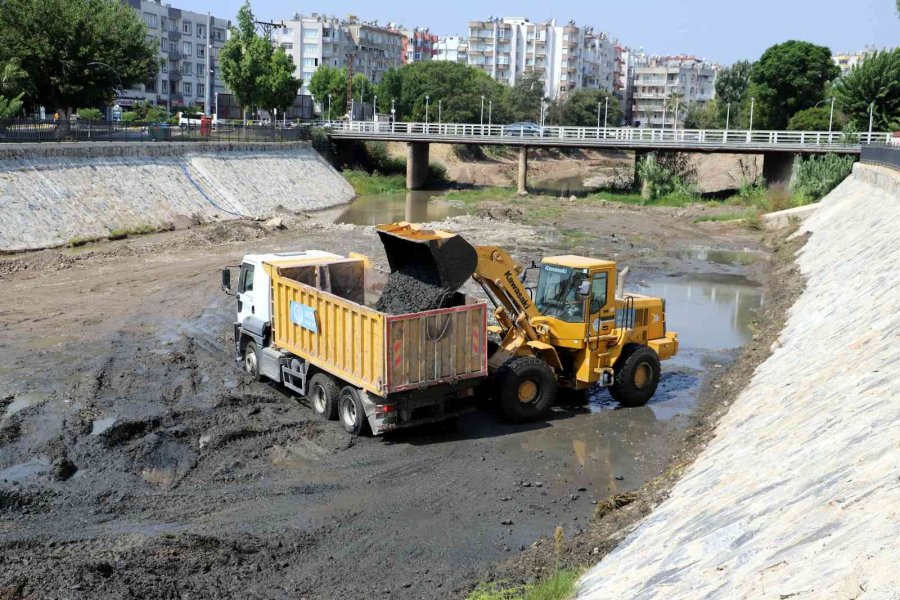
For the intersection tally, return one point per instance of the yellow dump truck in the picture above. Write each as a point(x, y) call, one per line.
point(305, 320)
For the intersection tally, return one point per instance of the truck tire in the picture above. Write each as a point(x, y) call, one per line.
point(251, 361)
point(636, 376)
point(323, 396)
point(526, 389)
point(351, 411)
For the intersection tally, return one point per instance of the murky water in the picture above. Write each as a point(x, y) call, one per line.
point(412, 206)
point(23, 401)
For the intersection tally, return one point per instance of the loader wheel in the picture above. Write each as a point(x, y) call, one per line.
point(323, 396)
point(251, 361)
point(637, 375)
point(351, 411)
point(526, 389)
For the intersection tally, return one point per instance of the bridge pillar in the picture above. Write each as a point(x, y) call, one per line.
point(522, 180)
point(778, 167)
point(416, 165)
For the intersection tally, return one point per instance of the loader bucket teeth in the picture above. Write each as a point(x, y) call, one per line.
point(434, 257)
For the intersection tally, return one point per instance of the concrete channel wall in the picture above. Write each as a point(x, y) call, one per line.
point(798, 494)
point(51, 193)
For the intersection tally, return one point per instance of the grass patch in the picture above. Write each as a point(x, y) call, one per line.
point(82, 240)
point(675, 199)
point(719, 218)
point(481, 194)
point(119, 234)
point(541, 214)
point(365, 184)
point(559, 586)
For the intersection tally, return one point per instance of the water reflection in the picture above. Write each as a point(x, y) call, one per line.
point(412, 206)
point(707, 314)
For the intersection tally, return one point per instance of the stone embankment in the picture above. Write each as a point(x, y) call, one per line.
point(798, 494)
point(52, 193)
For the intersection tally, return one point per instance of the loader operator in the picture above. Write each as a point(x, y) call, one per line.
point(567, 300)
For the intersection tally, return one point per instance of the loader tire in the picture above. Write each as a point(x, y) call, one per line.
point(351, 411)
point(636, 376)
point(526, 389)
point(251, 361)
point(323, 396)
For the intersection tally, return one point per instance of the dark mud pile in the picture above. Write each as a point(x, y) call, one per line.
point(405, 294)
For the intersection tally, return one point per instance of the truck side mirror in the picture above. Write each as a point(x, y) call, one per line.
point(226, 281)
point(584, 288)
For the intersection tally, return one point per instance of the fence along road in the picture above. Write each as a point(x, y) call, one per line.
point(629, 138)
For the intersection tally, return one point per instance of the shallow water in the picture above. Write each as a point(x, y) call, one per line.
point(412, 206)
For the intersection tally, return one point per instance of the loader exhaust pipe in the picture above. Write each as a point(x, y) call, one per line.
point(620, 283)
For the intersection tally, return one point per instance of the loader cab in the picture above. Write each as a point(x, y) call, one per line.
point(577, 296)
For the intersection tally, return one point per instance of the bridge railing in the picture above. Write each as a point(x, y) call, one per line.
point(612, 134)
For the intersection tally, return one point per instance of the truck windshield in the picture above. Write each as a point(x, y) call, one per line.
point(557, 293)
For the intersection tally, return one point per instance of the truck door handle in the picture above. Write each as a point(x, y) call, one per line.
point(240, 305)
point(252, 310)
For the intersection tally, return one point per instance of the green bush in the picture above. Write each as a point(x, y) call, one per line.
point(129, 116)
point(663, 181)
point(90, 114)
point(382, 162)
point(815, 176)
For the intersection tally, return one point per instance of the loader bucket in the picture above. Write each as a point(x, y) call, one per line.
point(432, 256)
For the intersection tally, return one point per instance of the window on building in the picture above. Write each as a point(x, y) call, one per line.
point(310, 49)
point(219, 34)
point(150, 86)
point(201, 31)
point(173, 47)
point(201, 90)
point(187, 48)
point(164, 23)
point(287, 31)
point(164, 66)
point(186, 27)
point(288, 46)
point(186, 88)
point(310, 62)
point(150, 19)
point(164, 86)
point(201, 50)
point(173, 65)
point(310, 34)
point(201, 69)
point(187, 68)
point(163, 44)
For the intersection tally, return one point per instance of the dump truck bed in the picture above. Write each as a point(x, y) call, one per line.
point(383, 354)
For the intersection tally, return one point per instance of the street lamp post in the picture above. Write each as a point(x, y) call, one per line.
point(375, 109)
point(439, 112)
point(482, 114)
point(727, 121)
point(752, 106)
point(490, 112)
point(605, 116)
point(393, 115)
point(871, 120)
point(329, 107)
point(598, 114)
point(830, 115)
point(427, 100)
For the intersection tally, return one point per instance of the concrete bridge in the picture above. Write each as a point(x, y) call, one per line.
point(777, 147)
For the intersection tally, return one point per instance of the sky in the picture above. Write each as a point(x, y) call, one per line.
point(718, 30)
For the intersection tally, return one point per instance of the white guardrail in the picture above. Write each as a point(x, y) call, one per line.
point(610, 134)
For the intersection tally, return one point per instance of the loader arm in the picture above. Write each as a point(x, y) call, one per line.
point(499, 274)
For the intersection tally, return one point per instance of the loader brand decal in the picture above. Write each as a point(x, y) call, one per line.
point(304, 316)
point(523, 300)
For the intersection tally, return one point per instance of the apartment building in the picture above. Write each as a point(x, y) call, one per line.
point(847, 60)
point(452, 48)
point(189, 45)
point(315, 40)
point(566, 57)
point(661, 82)
point(417, 44)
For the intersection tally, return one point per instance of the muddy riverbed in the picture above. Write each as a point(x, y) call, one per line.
point(137, 461)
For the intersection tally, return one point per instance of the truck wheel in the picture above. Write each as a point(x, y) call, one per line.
point(637, 375)
point(323, 396)
point(526, 388)
point(351, 411)
point(251, 361)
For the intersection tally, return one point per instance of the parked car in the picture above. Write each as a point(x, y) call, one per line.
point(523, 129)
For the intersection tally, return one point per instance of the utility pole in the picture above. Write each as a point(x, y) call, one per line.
point(208, 96)
point(350, 57)
point(267, 27)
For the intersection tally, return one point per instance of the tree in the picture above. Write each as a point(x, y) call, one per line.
point(329, 81)
point(281, 87)
point(524, 98)
point(61, 43)
point(582, 108)
point(703, 115)
point(790, 77)
point(733, 88)
point(10, 107)
point(817, 119)
point(876, 79)
point(246, 61)
point(458, 87)
point(90, 114)
point(12, 79)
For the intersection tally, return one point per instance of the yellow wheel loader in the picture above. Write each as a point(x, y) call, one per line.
point(573, 328)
